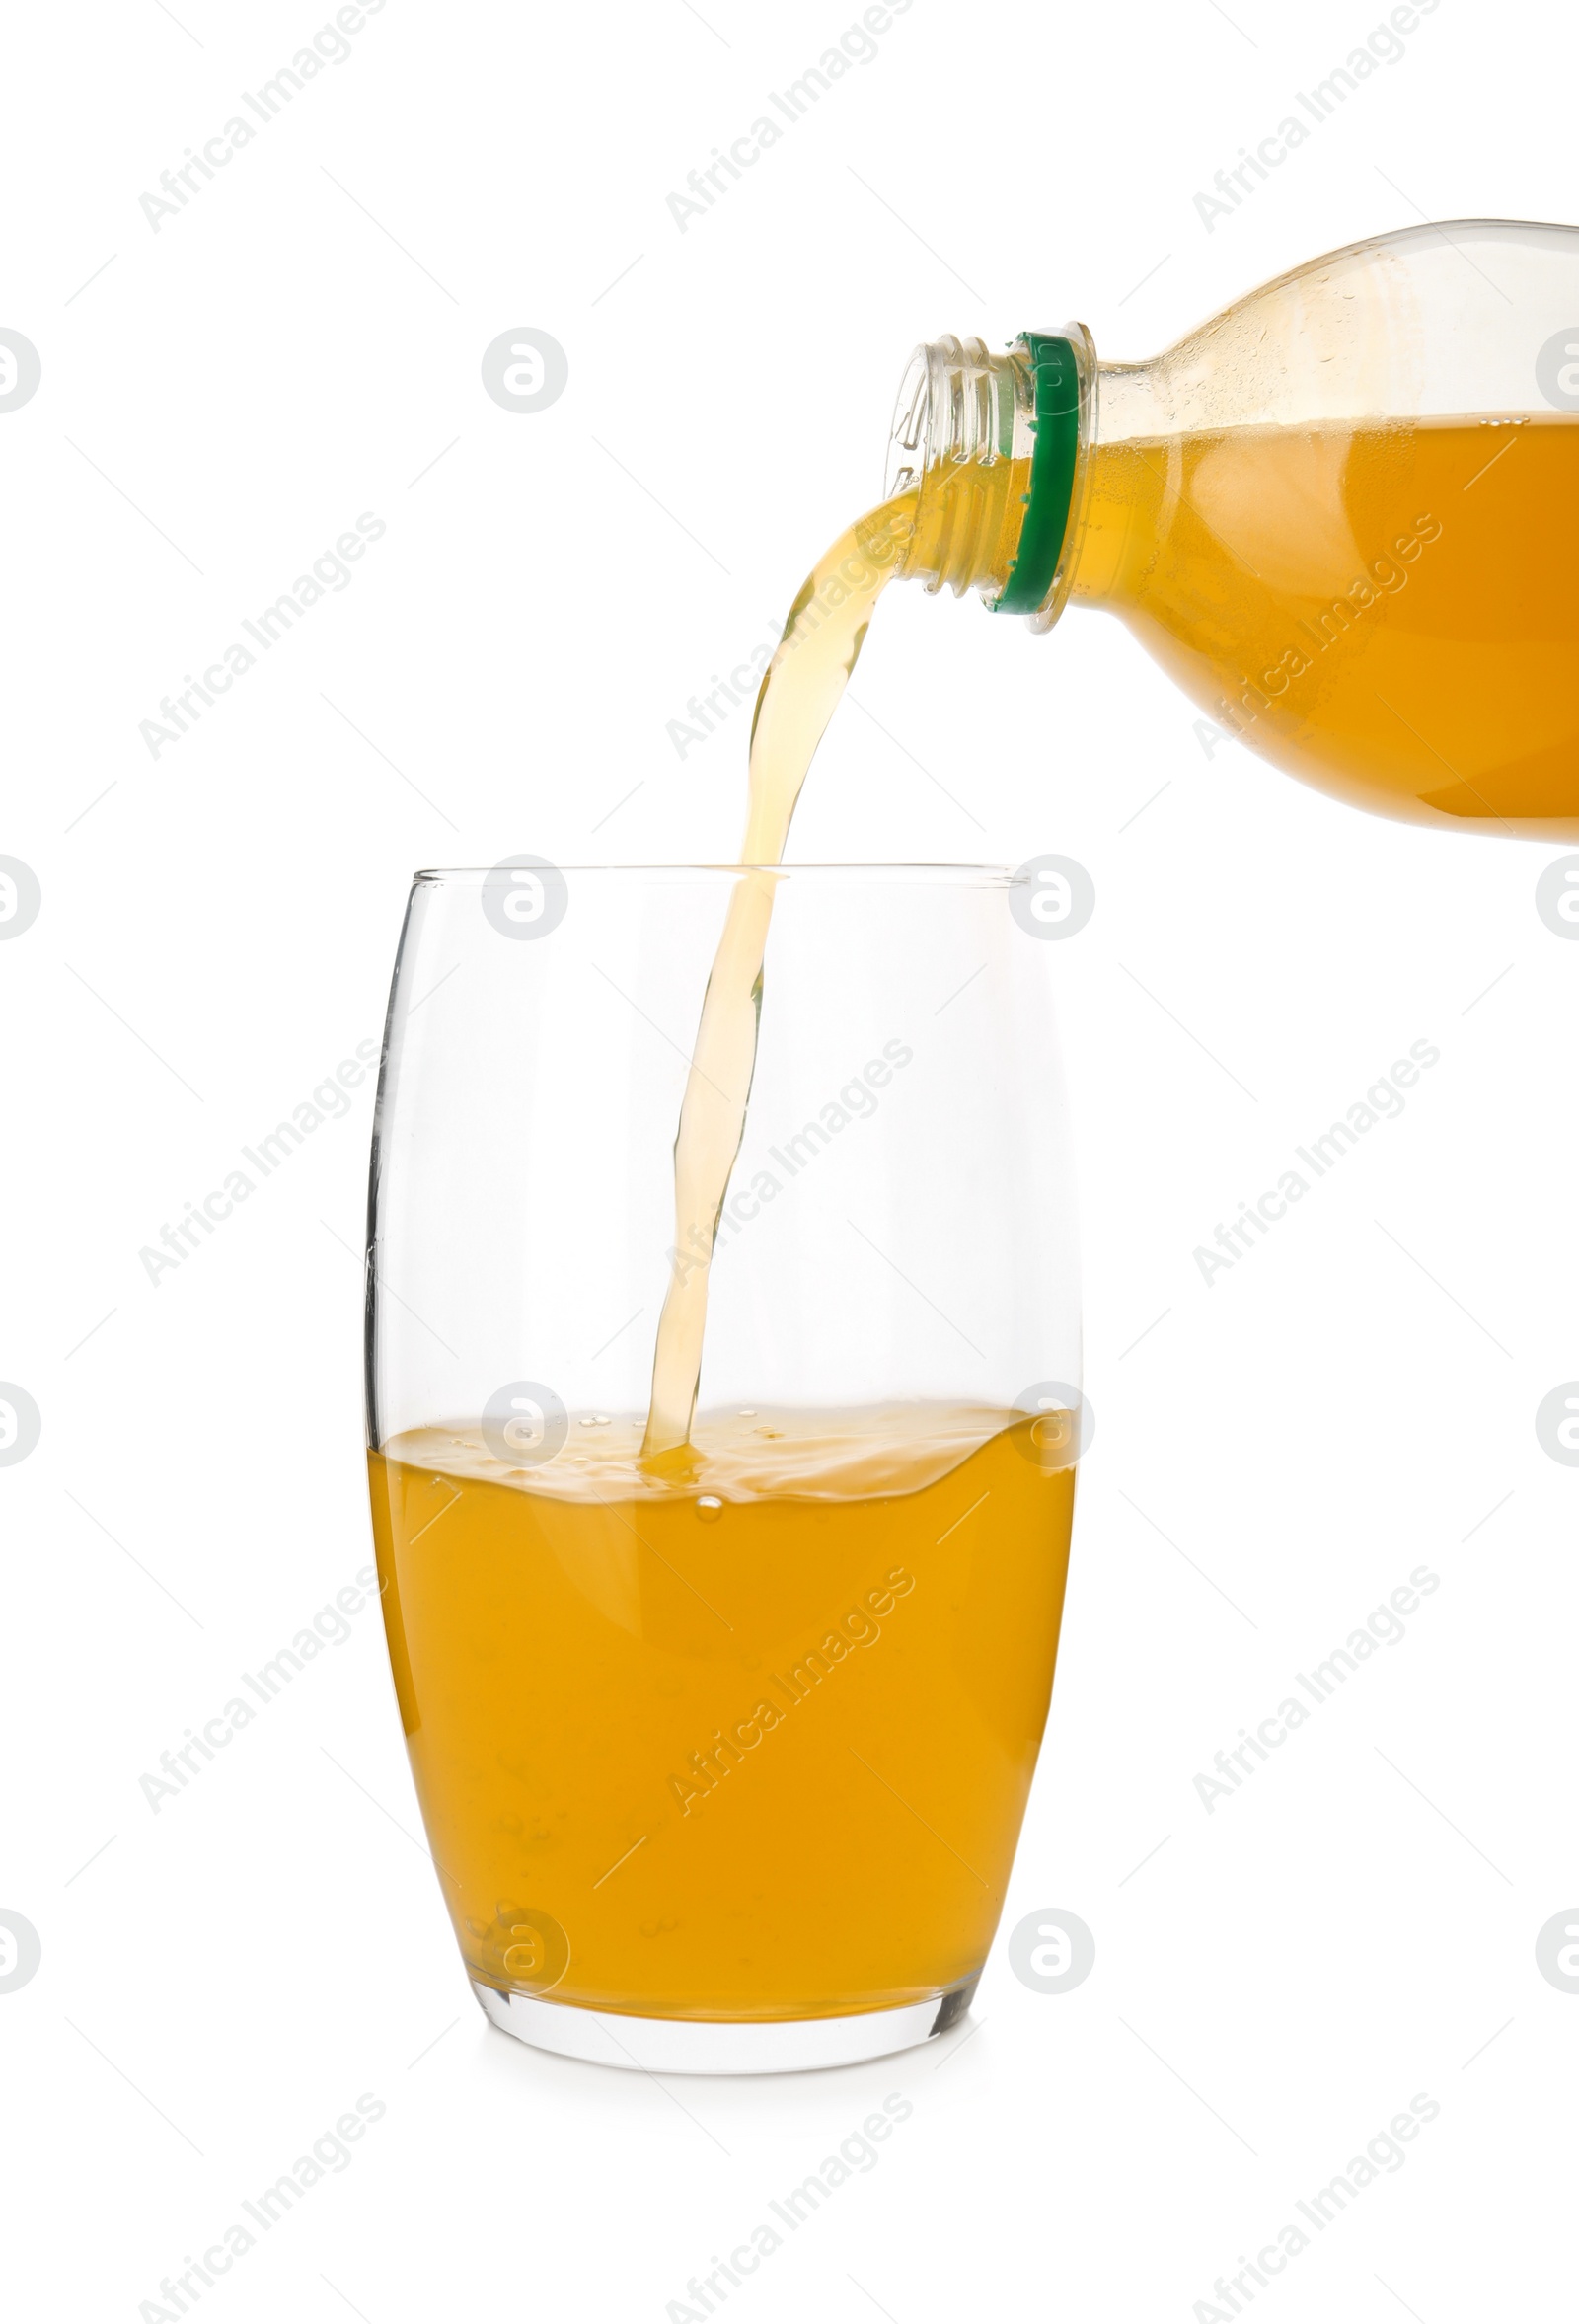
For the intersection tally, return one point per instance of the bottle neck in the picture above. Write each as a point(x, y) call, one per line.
point(993, 448)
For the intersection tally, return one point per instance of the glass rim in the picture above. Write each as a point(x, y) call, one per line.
point(994, 873)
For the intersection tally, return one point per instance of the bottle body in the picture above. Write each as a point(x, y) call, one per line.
point(1341, 516)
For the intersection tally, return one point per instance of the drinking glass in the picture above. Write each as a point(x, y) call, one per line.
point(723, 1760)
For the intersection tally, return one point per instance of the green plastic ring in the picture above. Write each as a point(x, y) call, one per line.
point(1052, 473)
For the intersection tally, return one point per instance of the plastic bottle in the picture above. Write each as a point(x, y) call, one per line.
point(1343, 515)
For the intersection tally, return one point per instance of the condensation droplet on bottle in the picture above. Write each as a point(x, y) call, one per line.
point(709, 1508)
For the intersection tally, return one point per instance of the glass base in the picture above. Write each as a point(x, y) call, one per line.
point(710, 2046)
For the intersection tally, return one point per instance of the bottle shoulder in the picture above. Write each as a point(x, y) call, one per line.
point(1432, 321)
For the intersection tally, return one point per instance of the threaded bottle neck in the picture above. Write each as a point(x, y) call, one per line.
point(963, 437)
point(959, 428)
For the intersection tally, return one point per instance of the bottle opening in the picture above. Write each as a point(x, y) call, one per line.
point(990, 446)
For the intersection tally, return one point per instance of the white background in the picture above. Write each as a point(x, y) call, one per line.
point(219, 402)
